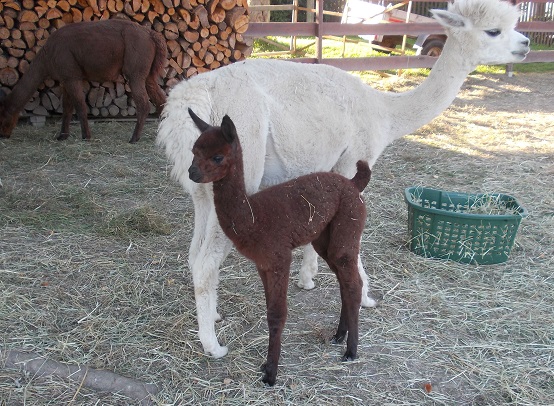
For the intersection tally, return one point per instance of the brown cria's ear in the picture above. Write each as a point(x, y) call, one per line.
point(228, 129)
point(202, 125)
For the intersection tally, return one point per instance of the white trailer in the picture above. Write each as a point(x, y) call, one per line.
point(367, 12)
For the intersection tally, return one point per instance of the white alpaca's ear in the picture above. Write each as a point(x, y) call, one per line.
point(202, 125)
point(448, 19)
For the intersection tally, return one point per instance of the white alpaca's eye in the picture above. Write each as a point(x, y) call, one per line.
point(493, 33)
point(217, 159)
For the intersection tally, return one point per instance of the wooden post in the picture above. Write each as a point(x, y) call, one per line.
point(294, 20)
point(319, 39)
point(405, 37)
point(510, 70)
point(310, 16)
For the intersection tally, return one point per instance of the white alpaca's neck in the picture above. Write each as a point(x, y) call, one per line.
point(415, 108)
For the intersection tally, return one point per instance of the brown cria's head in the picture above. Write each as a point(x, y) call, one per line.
point(215, 151)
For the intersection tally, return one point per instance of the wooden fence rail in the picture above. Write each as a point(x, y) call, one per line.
point(320, 29)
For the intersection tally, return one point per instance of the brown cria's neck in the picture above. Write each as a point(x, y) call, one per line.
point(234, 212)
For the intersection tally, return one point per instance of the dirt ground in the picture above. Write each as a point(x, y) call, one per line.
point(93, 272)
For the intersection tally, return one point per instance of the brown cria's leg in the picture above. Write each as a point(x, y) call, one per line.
point(342, 328)
point(346, 269)
point(351, 297)
point(344, 263)
point(275, 280)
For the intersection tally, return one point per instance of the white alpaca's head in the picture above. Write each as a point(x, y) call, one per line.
point(484, 29)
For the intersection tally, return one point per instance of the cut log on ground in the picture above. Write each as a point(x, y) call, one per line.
point(96, 379)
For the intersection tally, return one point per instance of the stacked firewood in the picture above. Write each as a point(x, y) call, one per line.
point(201, 35)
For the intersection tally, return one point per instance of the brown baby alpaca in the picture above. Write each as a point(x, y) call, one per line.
point(324, 209)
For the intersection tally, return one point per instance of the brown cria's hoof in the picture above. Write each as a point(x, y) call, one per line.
point(348, 356)
point(133, 140)
point(63, 136)
point(268, 381)
point(268, 377)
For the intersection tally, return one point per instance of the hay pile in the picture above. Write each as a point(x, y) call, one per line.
point(93, 271)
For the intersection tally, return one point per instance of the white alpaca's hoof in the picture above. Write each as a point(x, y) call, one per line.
point(218, 317)
point(308, 285)
point(368, 302)
point(218, 352)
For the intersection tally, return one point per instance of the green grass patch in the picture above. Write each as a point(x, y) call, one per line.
point(354, 47)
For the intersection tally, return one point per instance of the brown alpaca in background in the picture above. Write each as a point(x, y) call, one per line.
point(97, 51)
point(325, 209)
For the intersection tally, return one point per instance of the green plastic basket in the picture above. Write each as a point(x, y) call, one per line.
point(445, 225)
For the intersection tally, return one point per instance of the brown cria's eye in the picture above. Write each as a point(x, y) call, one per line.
point(217, 159)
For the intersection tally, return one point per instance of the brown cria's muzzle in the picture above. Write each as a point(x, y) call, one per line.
point(194, 174)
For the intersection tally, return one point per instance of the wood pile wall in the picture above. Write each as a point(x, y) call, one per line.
point(201, 35)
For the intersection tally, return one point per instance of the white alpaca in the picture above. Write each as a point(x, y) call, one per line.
point(294, 119)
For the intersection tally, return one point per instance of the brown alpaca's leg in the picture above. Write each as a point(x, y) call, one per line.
point(275, 280)
point(67, 111)
point(155, 92)
point(74, 88)
point(140, 97)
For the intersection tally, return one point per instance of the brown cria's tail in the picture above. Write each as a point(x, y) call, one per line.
point(362, 177)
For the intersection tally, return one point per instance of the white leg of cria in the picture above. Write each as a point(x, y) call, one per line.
point(308, 270)
point(366, 300)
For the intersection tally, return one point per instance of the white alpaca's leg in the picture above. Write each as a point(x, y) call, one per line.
point(205, 274)
point(308, 269)
point(209, 248)
point(203, 205)
point(366, 300)
point(205, 277)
